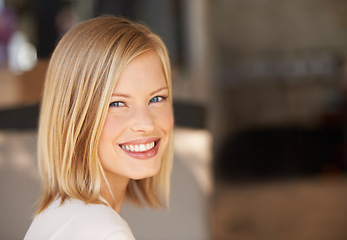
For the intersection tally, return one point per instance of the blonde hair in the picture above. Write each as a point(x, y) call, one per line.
point(81, 76)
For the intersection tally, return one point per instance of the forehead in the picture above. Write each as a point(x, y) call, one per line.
point(143, 72)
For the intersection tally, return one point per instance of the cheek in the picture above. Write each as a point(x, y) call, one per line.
point(112, 128)
point(166, 120)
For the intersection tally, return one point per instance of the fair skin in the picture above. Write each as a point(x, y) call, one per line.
point(137, 128)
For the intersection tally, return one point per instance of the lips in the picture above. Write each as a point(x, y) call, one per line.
point(141, 149)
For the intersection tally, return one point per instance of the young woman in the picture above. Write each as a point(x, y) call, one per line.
point(104, 130)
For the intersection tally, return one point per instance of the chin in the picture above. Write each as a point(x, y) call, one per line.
point(146, 174)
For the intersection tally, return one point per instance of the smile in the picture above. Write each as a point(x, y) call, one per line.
point(141, 149)
point(138, 147)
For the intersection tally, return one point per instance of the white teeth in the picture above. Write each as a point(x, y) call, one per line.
point(142, 148)
point(139, 148)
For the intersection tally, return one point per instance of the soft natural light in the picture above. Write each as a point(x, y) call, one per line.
point(22, 54)
point(195, 147)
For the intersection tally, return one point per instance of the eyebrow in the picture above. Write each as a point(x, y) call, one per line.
point(128, 96)
point(160, 89)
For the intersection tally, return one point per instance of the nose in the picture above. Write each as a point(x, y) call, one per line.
point(143, 120)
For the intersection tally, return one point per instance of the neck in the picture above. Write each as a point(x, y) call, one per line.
point(114, 193)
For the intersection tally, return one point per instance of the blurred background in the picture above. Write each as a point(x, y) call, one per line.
point(260, 91)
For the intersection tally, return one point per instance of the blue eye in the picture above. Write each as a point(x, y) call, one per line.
point(157, 99)
point(117, 104)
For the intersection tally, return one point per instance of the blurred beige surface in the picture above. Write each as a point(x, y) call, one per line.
point(19, 183)
point(10, 88)
point(308, 209)
point(26, 88)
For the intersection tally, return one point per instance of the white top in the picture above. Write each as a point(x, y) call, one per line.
point(78, 221)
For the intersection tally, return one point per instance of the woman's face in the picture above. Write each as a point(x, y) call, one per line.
point(139, 121)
